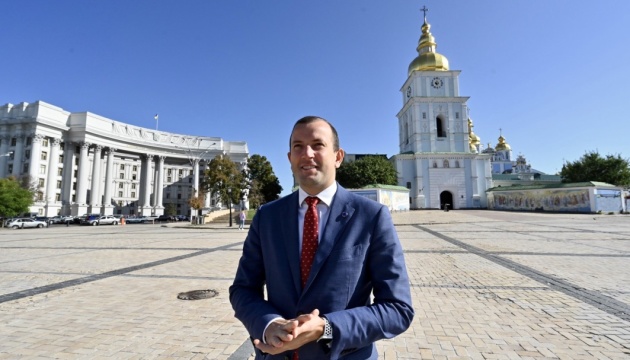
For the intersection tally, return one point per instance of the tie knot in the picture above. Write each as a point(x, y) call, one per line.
point(312, 201)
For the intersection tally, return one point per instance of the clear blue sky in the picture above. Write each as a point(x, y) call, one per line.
point(554, 75)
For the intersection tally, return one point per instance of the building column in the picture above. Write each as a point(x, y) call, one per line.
point(52, 205)
point(159, 186)
point(67, 177)
point(4, 150)
point(80, 207)
point(95, 192)
point(195, 177)
point(145, 186)
point(108, 208)
point(36, 151)
point(18, 153)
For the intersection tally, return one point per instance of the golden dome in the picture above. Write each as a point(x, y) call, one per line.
point(474, 139)
point(428, 59)
point(502, 145)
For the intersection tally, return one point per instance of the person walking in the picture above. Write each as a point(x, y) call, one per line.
point(241, 220)
point(321, 252)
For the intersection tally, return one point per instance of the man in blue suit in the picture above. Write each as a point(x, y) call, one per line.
point(358, 255)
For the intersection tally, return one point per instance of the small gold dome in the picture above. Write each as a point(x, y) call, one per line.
point(502, 145)
point(428, 59)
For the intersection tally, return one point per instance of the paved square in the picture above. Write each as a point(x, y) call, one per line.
point(485, 285)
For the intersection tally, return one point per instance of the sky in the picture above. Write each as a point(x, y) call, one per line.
point(552, 75)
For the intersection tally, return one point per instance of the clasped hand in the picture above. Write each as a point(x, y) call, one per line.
point(282, 335)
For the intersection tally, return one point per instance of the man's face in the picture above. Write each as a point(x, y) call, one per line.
point(313, 158)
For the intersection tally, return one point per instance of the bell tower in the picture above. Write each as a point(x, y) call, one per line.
point(438, 160)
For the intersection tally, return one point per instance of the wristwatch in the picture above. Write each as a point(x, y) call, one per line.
point(327, 336)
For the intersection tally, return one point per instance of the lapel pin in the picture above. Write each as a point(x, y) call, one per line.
point(344, 214)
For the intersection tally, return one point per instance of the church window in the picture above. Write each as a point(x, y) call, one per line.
point(44, 155)
point(435, 164)
point(424, 115)
point(122, 166)
point(25, 168)
point(440, 127)
point(121, 185)
point(446, 164)
point(120, 194)
point(10, 169)
point(57, 197)
point(76, 161)
point(28, 141)
point(457, 163)
point(13, 141)
point(406, 133)
point(408, 184)
point(42, 169)
point(45, 142)
point(58, 184)
point(59, 171)
point(40, 196)
point(457, 115)
point(122, 176)
point(27, 154)
point(133, 194)
point(41, 182)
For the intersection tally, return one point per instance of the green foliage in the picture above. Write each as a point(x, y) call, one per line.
point(224, 179)
point(14, 198)
point(367, 171)
point(263, 184)
point(170, 209)
point(592, 167)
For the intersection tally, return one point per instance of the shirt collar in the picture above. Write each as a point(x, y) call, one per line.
point(325, 196)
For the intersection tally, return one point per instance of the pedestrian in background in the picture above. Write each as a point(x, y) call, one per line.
point(241, 220)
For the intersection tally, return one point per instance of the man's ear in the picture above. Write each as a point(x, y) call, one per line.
point(289, 156)
point(340, 154)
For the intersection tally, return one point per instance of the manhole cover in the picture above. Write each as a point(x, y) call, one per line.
point(197, 294)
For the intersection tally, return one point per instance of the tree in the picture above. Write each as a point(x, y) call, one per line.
point(170, 209)
point(223, 178)
point(264, 185)
point(14, 198)
point(612, 169)
point(367, 171)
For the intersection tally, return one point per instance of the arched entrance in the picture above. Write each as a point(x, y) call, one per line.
point(446, 199)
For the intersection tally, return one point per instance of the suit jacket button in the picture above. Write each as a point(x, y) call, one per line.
point(286, 357)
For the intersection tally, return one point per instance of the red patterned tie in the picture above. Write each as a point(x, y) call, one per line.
point(309, 238)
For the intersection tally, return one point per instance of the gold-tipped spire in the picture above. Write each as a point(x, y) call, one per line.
point(428, 59)
point(474, 140)
point(502, 145)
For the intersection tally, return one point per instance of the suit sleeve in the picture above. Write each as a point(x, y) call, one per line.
point(391, 312)
point(247, 291)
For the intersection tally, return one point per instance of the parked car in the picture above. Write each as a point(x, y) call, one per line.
point(100, 220)
point(26, 223)
point(166, 218)
point(45, 219)
point(134, 220)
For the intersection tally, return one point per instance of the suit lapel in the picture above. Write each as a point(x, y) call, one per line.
point(290, 235)
point(339, 215)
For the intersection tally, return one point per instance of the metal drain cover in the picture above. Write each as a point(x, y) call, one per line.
point(197, 294)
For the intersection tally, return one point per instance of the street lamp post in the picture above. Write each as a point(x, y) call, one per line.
point(230, 204)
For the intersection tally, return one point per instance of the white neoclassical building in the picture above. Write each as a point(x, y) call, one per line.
point(85, 163)
point(439, 158)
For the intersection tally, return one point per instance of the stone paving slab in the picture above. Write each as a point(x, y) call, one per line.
point(485, 285)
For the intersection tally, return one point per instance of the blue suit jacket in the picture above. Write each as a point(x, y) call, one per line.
point(359, 254)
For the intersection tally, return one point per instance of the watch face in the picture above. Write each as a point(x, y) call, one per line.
point(409, 91)
point(436, 82)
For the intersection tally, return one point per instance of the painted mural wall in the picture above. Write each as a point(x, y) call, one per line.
point(394, 200)
point(556, 200)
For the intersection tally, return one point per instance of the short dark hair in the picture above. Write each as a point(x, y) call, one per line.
point(309, 119)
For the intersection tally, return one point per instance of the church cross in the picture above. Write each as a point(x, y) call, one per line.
point(424, 10)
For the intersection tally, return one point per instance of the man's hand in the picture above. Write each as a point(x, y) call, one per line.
point(282, 335)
